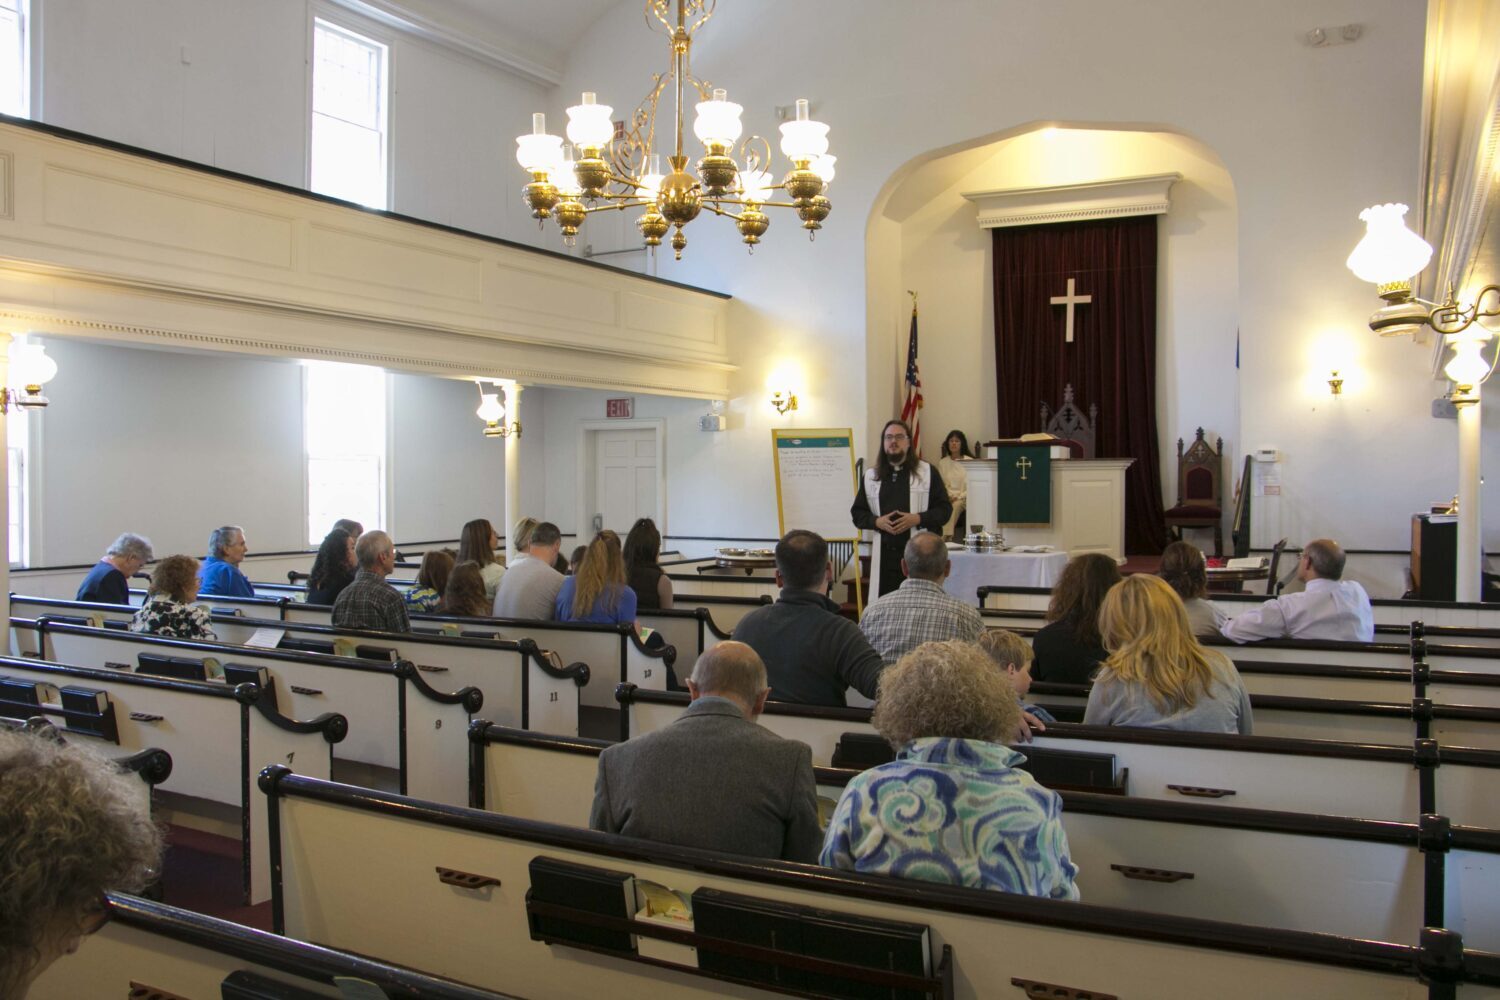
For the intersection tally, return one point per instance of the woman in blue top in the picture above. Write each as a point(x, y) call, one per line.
point(952, 807)
point(598, 593)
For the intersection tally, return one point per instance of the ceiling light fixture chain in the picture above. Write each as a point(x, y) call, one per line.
point(572, 179)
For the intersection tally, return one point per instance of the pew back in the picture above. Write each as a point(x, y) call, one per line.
point(520, 687)
point(218, 737)
point(150, 949)
point(1275, 869)
point(1365, 781)
point(481, 936)
point(397, 721)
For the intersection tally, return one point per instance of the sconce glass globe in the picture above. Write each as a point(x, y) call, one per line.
point(1389, 252)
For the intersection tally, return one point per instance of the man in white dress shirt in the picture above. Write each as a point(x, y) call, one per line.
point(1327, 607)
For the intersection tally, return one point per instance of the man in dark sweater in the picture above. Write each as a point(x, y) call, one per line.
point(812, 654)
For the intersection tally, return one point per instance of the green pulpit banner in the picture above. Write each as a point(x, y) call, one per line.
point(1023, 484)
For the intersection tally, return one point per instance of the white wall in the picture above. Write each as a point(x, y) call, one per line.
point(947, 258)
point(225, 83)
point(1308, 137)
point(444, 472)
point(170, 445)
point(173, 444)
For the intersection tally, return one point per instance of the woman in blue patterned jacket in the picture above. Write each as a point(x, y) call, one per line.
point(951, 807)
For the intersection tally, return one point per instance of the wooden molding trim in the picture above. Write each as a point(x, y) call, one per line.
point(1144, 195)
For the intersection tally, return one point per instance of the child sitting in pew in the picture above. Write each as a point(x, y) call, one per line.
point(1012, 655)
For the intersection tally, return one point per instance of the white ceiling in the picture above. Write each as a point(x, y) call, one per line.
point(540, 32)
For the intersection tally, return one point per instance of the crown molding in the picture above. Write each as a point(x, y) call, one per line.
point(403, 19)
point(1144, 195)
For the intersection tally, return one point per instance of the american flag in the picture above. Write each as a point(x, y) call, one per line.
point(911, 405)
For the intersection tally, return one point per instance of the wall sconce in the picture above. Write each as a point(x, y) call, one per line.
point(492, 412)
point(30, 368)
point(783, 400)
point(1335, 384)
point(1389, 256)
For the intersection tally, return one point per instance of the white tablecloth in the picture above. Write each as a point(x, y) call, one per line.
point(972, 570)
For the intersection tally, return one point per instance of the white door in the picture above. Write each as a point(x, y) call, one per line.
point(625, 477)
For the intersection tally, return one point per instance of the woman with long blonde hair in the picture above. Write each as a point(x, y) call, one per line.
point(598, 593)
point(1158, 675)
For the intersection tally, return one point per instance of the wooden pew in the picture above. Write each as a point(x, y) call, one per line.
point(614, 653)
point(1387, 611)
point(482, 935)
point(152, 765)
point(727, 610)
point(516, 679)
point(1275, 869)
point(397, 720)
point(1347, 779)
point(731, 583)
point(1328, 719)
point(151, 949)
point(218, 737)
point(689, 630)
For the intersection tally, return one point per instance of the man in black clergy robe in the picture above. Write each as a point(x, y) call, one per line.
point(897, 496)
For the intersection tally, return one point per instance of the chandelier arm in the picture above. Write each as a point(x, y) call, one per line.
point(1450, 319)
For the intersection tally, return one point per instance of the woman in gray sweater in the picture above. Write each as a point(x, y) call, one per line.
point(1157, 674)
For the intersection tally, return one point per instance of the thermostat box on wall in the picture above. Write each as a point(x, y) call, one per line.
point(1267, 455)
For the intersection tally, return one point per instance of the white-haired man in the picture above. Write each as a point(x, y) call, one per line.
point(369, 602)
point(109, 581)
point(714, 778)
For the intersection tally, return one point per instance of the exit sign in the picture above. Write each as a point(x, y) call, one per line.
point(620, 409)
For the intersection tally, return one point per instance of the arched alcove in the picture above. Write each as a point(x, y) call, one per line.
point(923, 235)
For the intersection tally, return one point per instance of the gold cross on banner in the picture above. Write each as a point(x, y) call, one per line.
point(1023, 463)
point(1070, 300)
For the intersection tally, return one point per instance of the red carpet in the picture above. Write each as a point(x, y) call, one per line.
point(202, 873)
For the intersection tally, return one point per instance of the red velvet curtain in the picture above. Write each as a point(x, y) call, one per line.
point(1112, 359)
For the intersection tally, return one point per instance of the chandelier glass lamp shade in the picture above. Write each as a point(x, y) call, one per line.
point(602, 168)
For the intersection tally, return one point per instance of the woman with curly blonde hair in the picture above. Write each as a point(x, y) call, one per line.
point(73, 829)
point(168, 609)
point(1157, 674)
point(952, 807)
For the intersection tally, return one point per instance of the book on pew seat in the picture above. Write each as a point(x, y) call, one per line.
point(892, 945)
point(581, 887)
point(1074, 769)
point(862, 751)
point(665, 907)
point(764, 923)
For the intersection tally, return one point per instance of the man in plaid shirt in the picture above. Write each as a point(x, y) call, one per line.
point(920, 610)
point(369, 602)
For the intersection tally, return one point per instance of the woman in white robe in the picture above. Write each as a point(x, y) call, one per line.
point(955, 477)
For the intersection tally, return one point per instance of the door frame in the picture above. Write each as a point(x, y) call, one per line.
point(588, 435)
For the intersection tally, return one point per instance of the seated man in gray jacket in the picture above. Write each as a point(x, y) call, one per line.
point(714, 778)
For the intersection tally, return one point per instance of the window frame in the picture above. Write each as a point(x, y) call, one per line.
point(27, 12)
point(369, 31)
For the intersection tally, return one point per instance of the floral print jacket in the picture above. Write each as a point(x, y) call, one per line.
point(958, 812)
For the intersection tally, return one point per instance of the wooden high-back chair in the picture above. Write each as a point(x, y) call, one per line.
point(1200, 490)
point(1069, 423)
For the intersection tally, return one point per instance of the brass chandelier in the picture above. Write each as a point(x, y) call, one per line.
point(601, 167)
